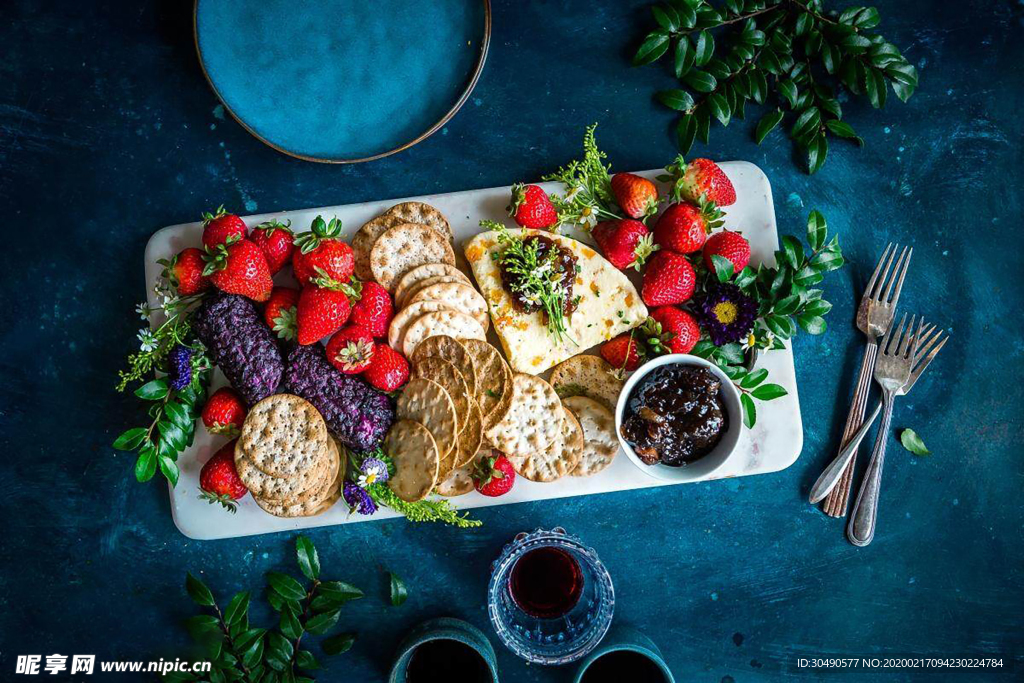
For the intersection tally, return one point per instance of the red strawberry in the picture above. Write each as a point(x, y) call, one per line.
point(671, 330)
point(322, 310)
point(279, 313)
point(219, 481)
point(531, 207)
point(350, 349)
point(669, 279)
point(374, 309)
point(626, 243)
point(702, 177)
point(729, 244)
point(494, 475)
point(224, 412)
point(389, 369)
point(622, 352)
point(684, 226)
point(185, 272)
point(321, 252)
point(637, 196)
point(239, 267)
point(221, 227)
point(276, 240)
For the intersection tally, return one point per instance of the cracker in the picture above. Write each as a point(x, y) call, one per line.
point(325, 495)
point(409, 293)
point(415, 454)
point(363, 241)
point(405, 317)
point(451, 323)
point(458, 295)
point(470, 438)
point(283, 435)
point(533, 421)
point(448, 376)
point(427, 402)
point(459, 482)
point(421, 273)
point(452, 350)
point(558, 459)
point(418, 212)
point(589, 376)
point(600, 444)
point(493, 380)
point(405, 246)
point(273, 488)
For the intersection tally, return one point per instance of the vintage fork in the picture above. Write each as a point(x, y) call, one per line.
point(892, 372)
point(874, 316)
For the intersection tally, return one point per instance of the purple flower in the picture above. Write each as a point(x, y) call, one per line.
point(726, 314)
point(358, 499)
point(374, 471)
point(179, 373)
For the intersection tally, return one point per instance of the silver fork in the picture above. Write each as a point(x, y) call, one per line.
point(892, 372)
point(874, 316)
point(830, 477)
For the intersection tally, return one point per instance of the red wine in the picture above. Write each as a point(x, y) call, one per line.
point(623, 665)
point(546, 582)
point(446, 660)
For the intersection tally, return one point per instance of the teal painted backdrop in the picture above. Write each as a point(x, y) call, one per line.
point(108, 131)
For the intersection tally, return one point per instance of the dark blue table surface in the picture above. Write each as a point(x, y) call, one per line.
point(108, 132)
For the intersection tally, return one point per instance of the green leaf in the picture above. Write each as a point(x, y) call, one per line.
point(306, 660)
point(153, 391)
point(817, 307)
point(817, 229)
point(130, 439)
point(804, 22)
point(237, 608)
point(781, 326)
point(335, 645)
point(807, 277)
point(309, 560)
point(683, 60)
point(749, 411)
point(731, 353)
point(169, 468)
point(279, 650)
point(794, 251)
point(253, 655)
point(145, 466)
point(687, 15)
point(172, 434)
point(768, 392)
point(745, 277)
point(703, 123)
point(913, 443)
point(339, 591)
point(398, 590)
point(723, 267)
point(787, 305)
point(811, 324)
point(653, 47)
point(686, 131)
point(827, 260)
point(666, 17)
point(703, 49)
point(179, 415)
point(807, 121)
point(816, 153)
point(754, 378)
point(246, 640)
point(788, 89)
point(844, 130)
point(286, 586)
point(198, 591)
point(289, 624)
point(322, 623)
point(701, 81)
point(874, 87)
point(677, 99)
point(719, 108)
point(767, 124)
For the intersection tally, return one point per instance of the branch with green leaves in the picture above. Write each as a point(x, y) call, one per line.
point(791, 55)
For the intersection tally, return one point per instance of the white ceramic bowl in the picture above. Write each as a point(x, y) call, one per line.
point(698, 469)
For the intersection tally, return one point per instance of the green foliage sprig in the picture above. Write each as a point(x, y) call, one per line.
point(239, 651)
point(792, 55)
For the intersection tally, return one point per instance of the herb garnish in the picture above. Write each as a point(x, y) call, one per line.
point(913, 443)
point(588, 197)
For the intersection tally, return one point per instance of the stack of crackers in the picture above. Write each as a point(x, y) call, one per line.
point(286, 458)
point(406, 235)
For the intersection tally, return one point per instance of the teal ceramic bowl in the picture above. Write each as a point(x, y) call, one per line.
point(342, 81)
point(443, 628)
point(622, 637)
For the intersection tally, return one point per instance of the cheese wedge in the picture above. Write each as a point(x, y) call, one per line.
point(609, 305)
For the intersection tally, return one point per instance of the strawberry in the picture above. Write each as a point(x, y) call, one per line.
point(239, 267)
point(729, 244)
point(323, 309)
point(669, 279)
point(626, 243)
point(220, 227)
point(350, 349)
point(219, 481)
point(224, 412)
point(276, 240)
point(494, 475)
point(321, 249)
point(185, 272)
point(623, 352)
point(531, 207)
point(637, 196)
point(388, 370)
point(684, 226)
point(671, 330)
point(374, 309)
point(701, 178)
point(279, 313)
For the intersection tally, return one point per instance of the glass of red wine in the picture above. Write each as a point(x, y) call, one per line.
point(550, 599)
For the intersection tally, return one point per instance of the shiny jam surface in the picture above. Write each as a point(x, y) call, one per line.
point(565, 264)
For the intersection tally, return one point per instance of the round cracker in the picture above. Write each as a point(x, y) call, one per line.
point(409, 293)
point(448, 376)
point(283, 435)
point(493, 380)
point(405, 317)
point(405, 246)
point(418, 212)
point(448, 322)
point(415, 454)
point(272, 488)
point(421, 273)
point(600, 443)
point(533, 421)
point(460, 296)
point(452, 350)
point(363, 241)
point(558, 459)
point(471, 437)
point(458, 483)
point(326, 495)
point(587, 375)
point(427, 402)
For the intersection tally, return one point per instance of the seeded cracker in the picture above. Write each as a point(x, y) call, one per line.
point(589, 376)
point(471, 437)
point(600, 444)
point(448, 376)
point(320, 500)
point(283, 435)
point(424, 272)
point(533, 421)
point(460, 296)
point(429, 404)
point(452, 350)
point(272, 488)
point(406, 296)
point(415, 454)
point(425, 214)
point(405, 246)
point(558, 459)
point(451, 323)
point(405, 317)
point(493, 380)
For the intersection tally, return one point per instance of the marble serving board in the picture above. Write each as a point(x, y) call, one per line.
point(773, 444)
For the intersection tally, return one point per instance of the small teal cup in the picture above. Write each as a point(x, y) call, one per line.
point(443, 628)
point(621, 637)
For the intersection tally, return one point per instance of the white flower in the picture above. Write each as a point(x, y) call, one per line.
point(750, 342)
point(147, 342)
point(143, 311)
point(169, 301)
point(570, 196)
point(588, 217)
point(367, 479)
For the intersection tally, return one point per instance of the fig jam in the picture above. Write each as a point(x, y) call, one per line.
point(564, 264)
point(546, 583)
point(675, 415)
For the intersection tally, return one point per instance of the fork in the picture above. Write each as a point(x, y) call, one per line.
point(892, 372)
point(830, 477)
point(874, 316)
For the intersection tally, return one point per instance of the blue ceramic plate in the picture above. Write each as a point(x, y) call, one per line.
point(342, 81)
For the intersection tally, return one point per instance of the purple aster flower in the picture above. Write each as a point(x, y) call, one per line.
point(358, 499)
point(180, 372)
point(374, 471)
point(726, 314)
